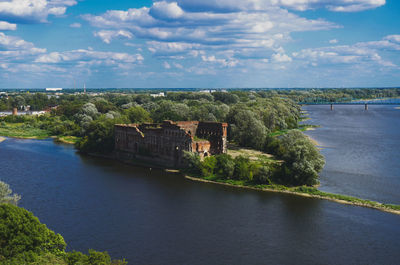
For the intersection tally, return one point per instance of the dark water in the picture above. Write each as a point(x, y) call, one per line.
point(158, 218)
point(362, 150)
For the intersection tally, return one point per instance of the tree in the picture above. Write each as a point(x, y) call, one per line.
point(192, 162)
point(225, 97)
point(242, 169)
point(168, 110)
point(98, 137)
point(208, 166)
point(90, 110)
point(225, 166)
point(6, 195)
point(21, 234)
point(24, 240)
point(137, 114)
point(246, 129)
point(263, 175)
point(302, 159)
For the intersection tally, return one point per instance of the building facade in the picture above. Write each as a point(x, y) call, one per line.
point(164, 143)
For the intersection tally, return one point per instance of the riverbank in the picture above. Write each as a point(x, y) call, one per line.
point(2, 139)
point(22, 130)
point(67, 139)
point(303, 191)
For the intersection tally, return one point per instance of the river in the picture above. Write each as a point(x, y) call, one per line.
point(153, 217)
point(362, 150)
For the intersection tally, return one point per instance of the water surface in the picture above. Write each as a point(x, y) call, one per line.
point(362, 150)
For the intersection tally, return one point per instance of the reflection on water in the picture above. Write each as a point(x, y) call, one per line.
point(150, 217)
point(362, 150)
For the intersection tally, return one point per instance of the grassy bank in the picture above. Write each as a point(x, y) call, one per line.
point(67, 139)
point(22, 130)
point(301, 127)
point(301, 191)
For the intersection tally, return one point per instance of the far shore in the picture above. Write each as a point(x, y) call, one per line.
point(359, 202)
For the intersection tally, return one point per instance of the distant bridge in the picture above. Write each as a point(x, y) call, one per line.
point(353, 102)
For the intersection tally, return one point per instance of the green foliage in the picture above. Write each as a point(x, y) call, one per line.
point(192, 163)
point(93, 258)
point(246, 129)
point(6, 195)
point(168, 110)
point(302, 159)
point(137, 115)
point(98, 137)
point(208, 166)
point(227, 98)
point(24, 240)
point(263, 175)
point(225, 166)
point(22, 235)
point(243, 168)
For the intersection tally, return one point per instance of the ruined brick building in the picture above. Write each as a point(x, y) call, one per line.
point(163, 144)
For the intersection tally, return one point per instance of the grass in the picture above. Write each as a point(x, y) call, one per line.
point(68, 139)
point(350, 199)
point(235, 151)
point(304, 191)
point(22, 130)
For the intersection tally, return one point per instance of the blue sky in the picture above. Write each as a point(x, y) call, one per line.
point(199, 43)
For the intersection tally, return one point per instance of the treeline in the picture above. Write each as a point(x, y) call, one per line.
point(24, 240)
point(39, 101)
point(334, 94)
point(250, 115)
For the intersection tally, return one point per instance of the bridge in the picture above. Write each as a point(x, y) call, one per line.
point(395, 101)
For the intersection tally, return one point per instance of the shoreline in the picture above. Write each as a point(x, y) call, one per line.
point(2, 139)
point(377, 206)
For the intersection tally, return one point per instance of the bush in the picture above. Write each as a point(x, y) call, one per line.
point(192, 163)
point(225, 166)
point(208, 166)
point(263, 175)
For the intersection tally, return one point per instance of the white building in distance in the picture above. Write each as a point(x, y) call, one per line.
point(53, 89)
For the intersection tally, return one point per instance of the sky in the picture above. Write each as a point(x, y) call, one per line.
point(199, 43)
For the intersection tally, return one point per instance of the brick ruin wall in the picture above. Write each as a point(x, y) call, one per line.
point(164, 143)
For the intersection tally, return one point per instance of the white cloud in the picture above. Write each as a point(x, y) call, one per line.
point(174, 32)
point(15, 46)
point(75, 25)
point(7, 26)
point(223, 62)
point(359, 53)
point(334, 41)
point(167, 65)
point(281, 58)
point(166, 11)
point(262, 5)
point(25, 57)
point(332, 5)
point(89, 56)
point(28, 11)
point(177, 65)
point(107, 35)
